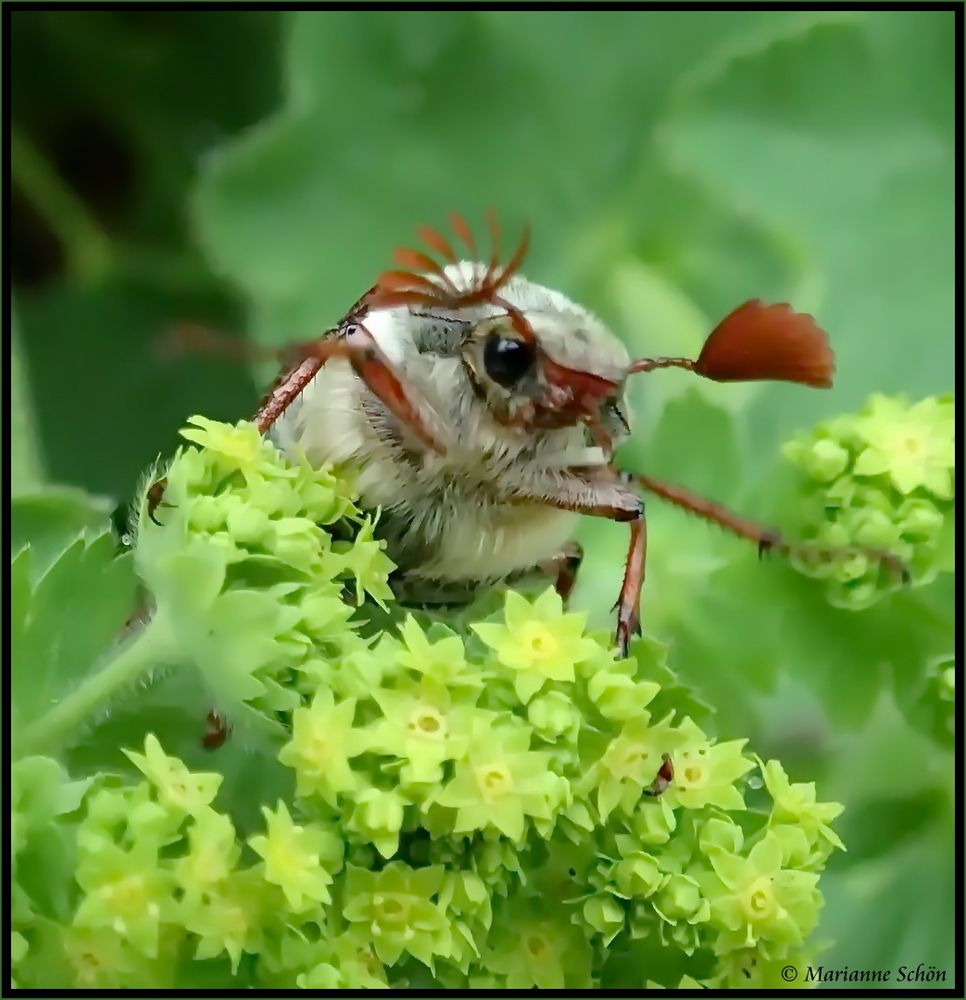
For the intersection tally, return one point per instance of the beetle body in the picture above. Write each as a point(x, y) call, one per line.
point(447, 518)
point(479, 413)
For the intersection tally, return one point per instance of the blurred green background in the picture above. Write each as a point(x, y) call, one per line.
point(251, 172)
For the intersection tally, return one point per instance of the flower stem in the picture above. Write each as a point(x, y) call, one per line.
point(86, 246)
point(133, 661)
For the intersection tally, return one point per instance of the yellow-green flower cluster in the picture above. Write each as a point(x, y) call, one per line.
point(882, 478)
point(248, 566)
point(460, 806)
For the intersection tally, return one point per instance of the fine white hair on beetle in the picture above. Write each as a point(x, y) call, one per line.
point(387, 332)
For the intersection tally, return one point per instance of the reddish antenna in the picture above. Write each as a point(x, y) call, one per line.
point(758, 342)
point(424, 280)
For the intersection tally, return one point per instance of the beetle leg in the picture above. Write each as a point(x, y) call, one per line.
point(767, 539)
point(597, 492)
point(217, 730)
point(357, 345)
point(199, 340)
point(564, 567)
point(287, 388)
point(665, 776)
point(155, 498)
point(629, 600)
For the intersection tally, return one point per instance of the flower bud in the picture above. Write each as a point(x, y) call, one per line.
point(553, 715)
point(825, 460)
point(638, 875)
point(604, 915)
point(681, 899)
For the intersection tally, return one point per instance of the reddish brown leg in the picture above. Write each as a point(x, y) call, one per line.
point(217, 730)
point(351, 341)
point(766, 539)
point(155, 497)
point(564, 567)
point(629, 601)
point(665, 776)
point(360, 349)
point(286, 388)
point(597, 492)
point(197, 339)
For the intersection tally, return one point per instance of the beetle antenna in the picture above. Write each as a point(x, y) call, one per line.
point(425, 282)
point(199, 340)
point(651, 364)
point(756, 342)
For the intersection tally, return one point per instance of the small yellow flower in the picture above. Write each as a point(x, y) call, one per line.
point(539, 642)
point(705, 773)
point(500, 782)
point(212, 854)
point(323, 741)
point(366, 560)
point(912, 444)
point(242, 445)
point(295, 857)
point(127, 891)
point(755, 899)
point(177, 787)
point(231, 919)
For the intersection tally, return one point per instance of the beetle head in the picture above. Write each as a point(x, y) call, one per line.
point(542, 362)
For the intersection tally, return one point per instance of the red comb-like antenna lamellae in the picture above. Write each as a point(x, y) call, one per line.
point(757, 342)
point(767, 342)
point(425, 281)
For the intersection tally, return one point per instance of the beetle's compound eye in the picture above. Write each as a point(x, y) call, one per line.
point(507, 359)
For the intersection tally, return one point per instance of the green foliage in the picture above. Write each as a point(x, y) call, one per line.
point(260, 166)
point(883, 479)
point(25, 455)
point(448, 784)
point(62, 625)
point(106, 139)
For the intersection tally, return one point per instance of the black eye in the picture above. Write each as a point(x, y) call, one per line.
point(507, 360)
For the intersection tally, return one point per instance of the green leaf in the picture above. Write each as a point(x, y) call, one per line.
point(115, 400)
point(44, 790)
point(893, 637)
point(877, 826)
point(124, 110)
point(175, 707)
point(73, 615)
point(914, 878)
point(843, 135)
point(312, 181)
point(51, 520)
point(41, 795)
point(26, 462)
point(694, 444)
point(675, 695)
